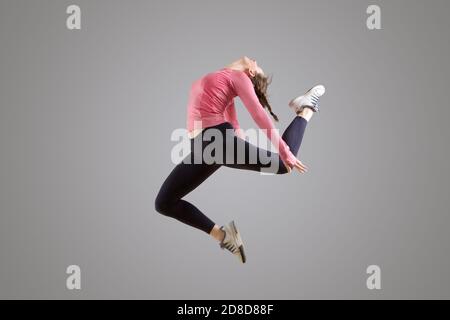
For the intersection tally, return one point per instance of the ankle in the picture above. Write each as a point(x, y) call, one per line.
point(217, 233)
point(306, 113)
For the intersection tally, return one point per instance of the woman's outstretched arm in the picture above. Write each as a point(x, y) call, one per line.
point(243, 88)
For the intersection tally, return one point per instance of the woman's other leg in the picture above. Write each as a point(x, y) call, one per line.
point(183, 179)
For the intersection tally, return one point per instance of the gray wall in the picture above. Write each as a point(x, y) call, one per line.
point(85, 124)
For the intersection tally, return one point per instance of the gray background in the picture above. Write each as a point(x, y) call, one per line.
point(85, 124)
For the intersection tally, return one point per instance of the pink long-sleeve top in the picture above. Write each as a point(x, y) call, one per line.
point(211, 102)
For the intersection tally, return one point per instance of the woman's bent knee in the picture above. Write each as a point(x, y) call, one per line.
point(162, 205)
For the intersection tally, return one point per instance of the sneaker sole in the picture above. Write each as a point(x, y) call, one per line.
point(239, 241)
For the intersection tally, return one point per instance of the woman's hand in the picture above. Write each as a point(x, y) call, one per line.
point(300, 167)
point(297, 165)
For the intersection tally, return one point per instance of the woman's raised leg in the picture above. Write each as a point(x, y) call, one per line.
point(258, 159)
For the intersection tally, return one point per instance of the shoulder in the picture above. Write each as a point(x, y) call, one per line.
point(237, 73)
point(240, 79)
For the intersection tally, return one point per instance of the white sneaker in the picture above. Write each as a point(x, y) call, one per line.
point(232, 241)
point(309, 100)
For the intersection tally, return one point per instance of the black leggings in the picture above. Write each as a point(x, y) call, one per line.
point(194, 169)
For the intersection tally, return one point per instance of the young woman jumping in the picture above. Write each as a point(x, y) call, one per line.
point(210, 110)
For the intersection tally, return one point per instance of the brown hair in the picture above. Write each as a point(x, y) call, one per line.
point(260, 83)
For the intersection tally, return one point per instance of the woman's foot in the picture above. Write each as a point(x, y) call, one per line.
point(309, 100)
point(232, 241)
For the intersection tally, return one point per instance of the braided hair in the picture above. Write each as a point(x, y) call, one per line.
point(260, 83)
